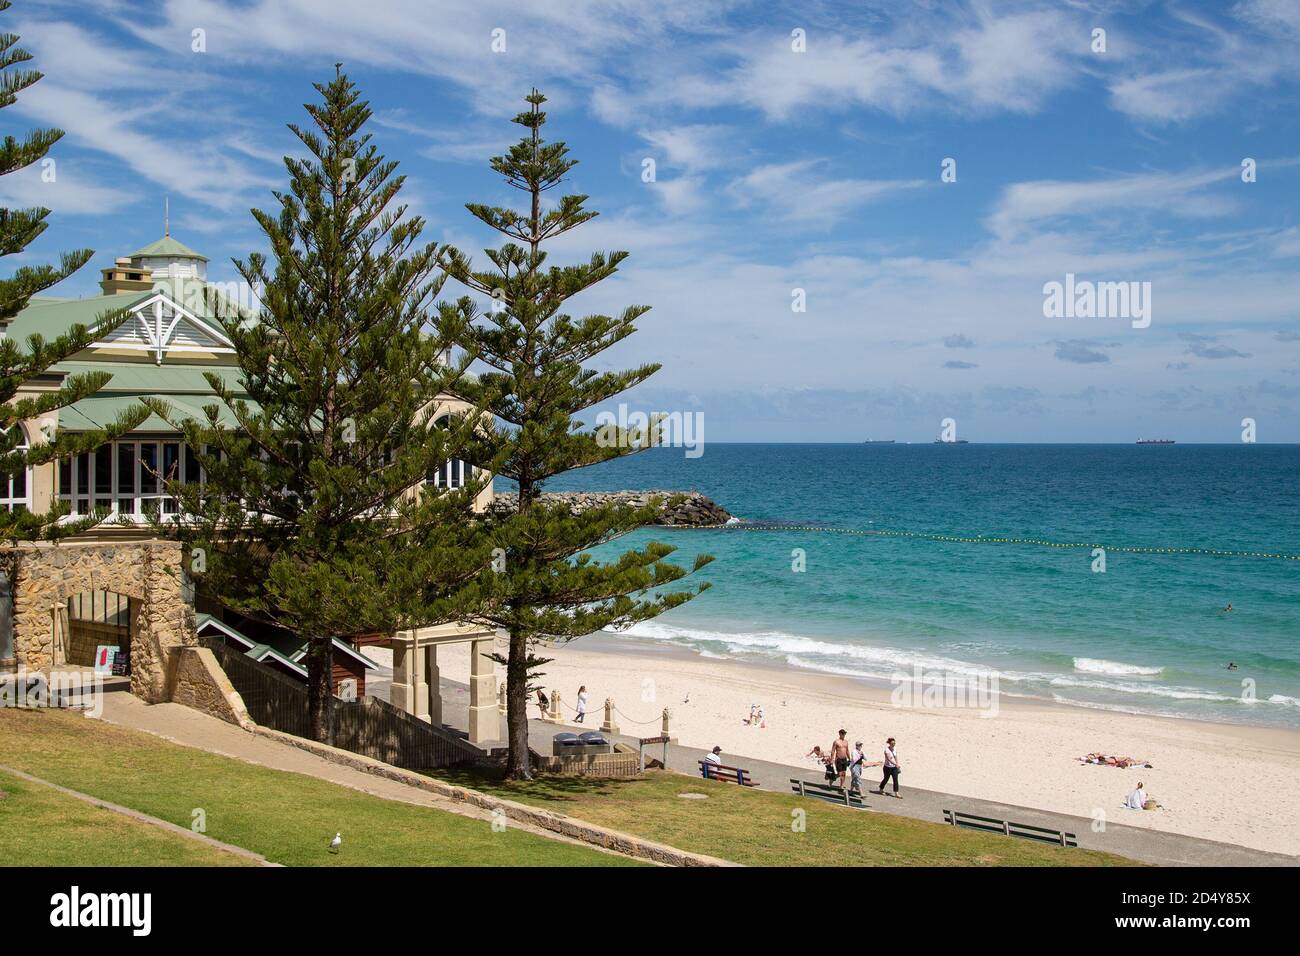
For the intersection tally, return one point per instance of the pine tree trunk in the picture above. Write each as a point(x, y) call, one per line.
point(320, 701)
point(517, 763)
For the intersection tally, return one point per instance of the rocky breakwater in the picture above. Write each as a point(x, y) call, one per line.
point(677, 509)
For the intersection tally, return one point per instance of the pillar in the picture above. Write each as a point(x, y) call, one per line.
point(610, 726)
point(484, 722)
point(410, 692)
point(432, 679)
point(555, 715)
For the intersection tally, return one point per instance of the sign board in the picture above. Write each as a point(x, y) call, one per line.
point(104, 657)
point(653, 740)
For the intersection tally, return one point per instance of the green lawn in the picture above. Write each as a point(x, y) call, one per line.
point(287, 817)
point(70, 832)
point(757, 828)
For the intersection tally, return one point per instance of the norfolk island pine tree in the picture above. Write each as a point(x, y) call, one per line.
point(545, 585)
point(19, 366)
point(311, 515)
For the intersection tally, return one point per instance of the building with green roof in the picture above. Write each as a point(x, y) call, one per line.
point(171, 341)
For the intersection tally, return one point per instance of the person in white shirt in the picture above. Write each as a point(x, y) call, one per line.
point(1137, 799)
point(891, 768)
point(714, 756)
point(582, 704)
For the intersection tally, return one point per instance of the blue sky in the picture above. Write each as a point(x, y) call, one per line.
point(775, 170)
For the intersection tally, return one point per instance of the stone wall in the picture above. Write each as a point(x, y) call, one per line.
point(151, 573)
point(199, 682)
point(691, 510)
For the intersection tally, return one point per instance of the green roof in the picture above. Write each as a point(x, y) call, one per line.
point(171, 379)
point(101, 410)
point(51, 318)
point(167, 247)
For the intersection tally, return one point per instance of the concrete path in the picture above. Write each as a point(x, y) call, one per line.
point(1137, 843)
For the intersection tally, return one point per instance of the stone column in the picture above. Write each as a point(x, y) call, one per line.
point(610, 726)
point(432, 679)
point(405, 693)
point(484, 722)
point(165, 624)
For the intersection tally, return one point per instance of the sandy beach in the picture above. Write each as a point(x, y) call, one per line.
point(1231, 783)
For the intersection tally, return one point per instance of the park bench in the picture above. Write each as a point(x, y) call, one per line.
point(1023, 830)
point(826, 791)
point(716, 771)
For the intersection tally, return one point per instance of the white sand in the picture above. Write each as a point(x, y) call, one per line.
point(1224, 782)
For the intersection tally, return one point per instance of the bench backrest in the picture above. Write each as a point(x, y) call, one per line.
point(1008, 828)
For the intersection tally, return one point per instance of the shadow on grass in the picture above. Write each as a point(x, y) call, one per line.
point(552, 788)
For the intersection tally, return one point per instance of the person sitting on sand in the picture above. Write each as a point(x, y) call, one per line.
point(1140, 800)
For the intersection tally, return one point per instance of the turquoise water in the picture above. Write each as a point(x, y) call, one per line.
point(1146, 635)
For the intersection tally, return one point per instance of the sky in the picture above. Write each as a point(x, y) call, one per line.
point(855, 210)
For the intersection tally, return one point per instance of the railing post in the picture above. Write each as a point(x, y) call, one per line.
point(665, 724)
point(501, 700)
point(555, 706)
point(610, 726)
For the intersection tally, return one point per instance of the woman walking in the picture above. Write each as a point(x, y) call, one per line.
point(891, 768)
point(582, 704)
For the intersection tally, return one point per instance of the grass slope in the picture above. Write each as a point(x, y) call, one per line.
point(758, 828)
point(73, 833)
point(287, 817)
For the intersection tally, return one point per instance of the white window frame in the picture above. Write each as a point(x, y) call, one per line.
point(8, 501)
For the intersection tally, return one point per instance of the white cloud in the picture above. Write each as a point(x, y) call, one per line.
point(796, 192)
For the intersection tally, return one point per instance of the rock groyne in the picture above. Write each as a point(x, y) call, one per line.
point(678, 509)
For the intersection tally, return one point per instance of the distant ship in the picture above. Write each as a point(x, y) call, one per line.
point(879, 441)
point(953, 441)
point(1155, 441)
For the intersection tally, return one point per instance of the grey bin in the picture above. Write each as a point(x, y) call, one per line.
point(565, 744)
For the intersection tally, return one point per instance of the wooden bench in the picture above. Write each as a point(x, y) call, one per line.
point(716, 771)
point(826, 791)
point(1023, 830)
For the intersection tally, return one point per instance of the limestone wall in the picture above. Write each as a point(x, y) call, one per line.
point(151, 573)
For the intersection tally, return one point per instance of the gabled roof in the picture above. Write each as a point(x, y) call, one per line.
point(167, 247)
point(290, 655)
point(50, 317)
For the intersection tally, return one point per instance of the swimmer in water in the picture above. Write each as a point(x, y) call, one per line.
point(1228, 608)
point(1232, 666)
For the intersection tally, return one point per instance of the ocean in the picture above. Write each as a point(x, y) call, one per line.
point(1147, 634)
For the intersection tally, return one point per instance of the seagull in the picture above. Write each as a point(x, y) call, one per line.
point(687, 699)
point(336, 842)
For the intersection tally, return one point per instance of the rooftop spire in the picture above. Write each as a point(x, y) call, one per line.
point(167, 217)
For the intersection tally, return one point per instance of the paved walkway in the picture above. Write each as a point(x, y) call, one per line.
point(1136, 843)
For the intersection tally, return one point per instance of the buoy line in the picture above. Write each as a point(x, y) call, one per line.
point(984, 539)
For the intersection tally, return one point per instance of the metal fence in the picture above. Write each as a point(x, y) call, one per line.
point(368, 726)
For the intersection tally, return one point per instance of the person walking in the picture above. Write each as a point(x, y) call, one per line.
point(891, 768)
point(582, 704)
point(840, 756)
point(855, 768)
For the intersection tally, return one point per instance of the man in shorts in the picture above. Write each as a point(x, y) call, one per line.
point(840, 755)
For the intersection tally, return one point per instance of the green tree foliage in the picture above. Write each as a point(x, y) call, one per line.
point(547, 587)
